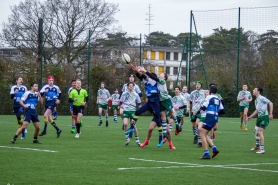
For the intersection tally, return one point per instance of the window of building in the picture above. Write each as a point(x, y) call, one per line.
point(176, 56)
point(168, 70)
point(152, 55)
point(160, 69)
point(152, 69)
point(176, 70)
point(184, 56)
point(145, 54)
point(161, 55)
point(167, 55)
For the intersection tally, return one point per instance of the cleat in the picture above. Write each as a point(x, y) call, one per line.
point(240, 127)
point(160, 143)
point(58, 133)
point(199, 145)
point(55, 118)
point(195, 141)
point(143, 144)
point(123, 127)
point(255, 148)
point(213, 135)
point(214, 153)
point(42, 133)
point(25, 131)
point(72, 131)
point(22, 137)
point(177, 131)
point(138, 143)
point(36, 141)
point(106, 124)
point(127, 141)
point(204, 157)
point(172, 147)
point(180, 128)
point(13, 140)
point(260, 151)
point(245, 128)
point(100, 123)
point(129, 131)
point(165, 139)
point(77, 135)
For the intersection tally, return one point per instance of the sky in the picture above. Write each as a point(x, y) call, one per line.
point(171, 17)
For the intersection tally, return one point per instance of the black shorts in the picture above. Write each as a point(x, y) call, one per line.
point(78, 110)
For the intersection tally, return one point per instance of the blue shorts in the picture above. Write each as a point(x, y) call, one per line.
point(18, 110)
point(71, 108)
point(153, 107)
point(51, 107)
point(208, 126)
point(33, 118)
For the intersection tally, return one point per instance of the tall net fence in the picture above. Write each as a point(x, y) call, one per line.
point(236, 47)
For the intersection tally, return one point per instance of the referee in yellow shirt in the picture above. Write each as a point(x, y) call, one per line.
point(79, 98)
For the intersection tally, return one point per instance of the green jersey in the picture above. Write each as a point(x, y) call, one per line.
point(81, 94)
point(179, 101)
point(115, 99)
point(261, 105)
point(197, 97)
point(162, 87)
point(103, 94)
point(185, 95)
point(247, 95)
point(129, 100)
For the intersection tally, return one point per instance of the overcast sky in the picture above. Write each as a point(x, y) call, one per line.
point(168, 16)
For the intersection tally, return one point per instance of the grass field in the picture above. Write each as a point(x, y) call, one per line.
point(100, 157)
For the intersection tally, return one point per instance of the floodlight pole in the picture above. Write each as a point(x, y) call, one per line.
point(89, 61)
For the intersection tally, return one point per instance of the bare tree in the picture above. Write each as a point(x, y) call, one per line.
point(66, 27)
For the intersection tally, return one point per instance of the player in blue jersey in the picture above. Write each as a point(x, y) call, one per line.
point(152, 105)
point(29, 102)
point(52, 98)
point(16, 93)
point(213, 106)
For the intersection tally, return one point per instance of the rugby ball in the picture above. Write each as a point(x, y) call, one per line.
point(125, 58)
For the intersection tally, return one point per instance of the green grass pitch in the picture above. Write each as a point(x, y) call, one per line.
point(100, 157)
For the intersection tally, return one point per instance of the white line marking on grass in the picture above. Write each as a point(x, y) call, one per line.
point(33, 149)
point(159, 167)
point(191, 165)
point(169, 162)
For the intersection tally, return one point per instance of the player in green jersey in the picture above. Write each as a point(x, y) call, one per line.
point(79, 98)
point(264, 116)
point(103, 97)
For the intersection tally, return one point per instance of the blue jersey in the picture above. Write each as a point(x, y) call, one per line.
point(17, 91)
point(30, 99)
point(213, 106)
point(51, 94)
point(151, 89)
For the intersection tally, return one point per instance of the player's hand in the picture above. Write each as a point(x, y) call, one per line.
point(97, 102)
point(83, 103)
point(194, 113)
point(270, 116)
point(57, 101)
point(75, 99)
point(176, 108)
point(16, 91)
point(107, 100)
point(46, 90)
point(26, 106)
point(109, 107)
point(249, 118)
point(121, 106)
point(188, 110)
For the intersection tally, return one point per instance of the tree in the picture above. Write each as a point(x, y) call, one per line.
point(66, 25)
point(160, 38)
